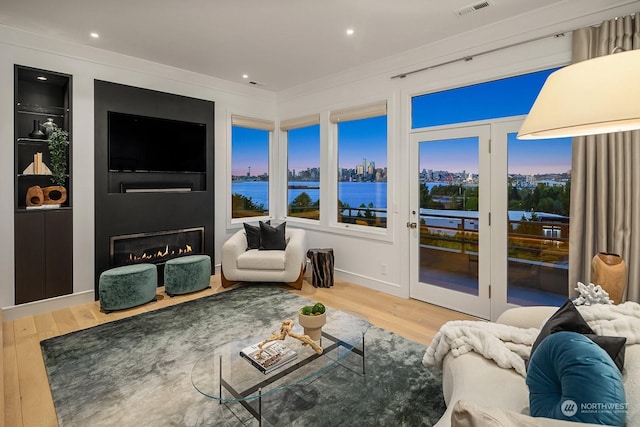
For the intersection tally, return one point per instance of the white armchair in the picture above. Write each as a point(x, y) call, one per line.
point(242, 265)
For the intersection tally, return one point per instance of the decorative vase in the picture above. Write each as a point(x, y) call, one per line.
point(35, 196)
point(312, 324)
point(48, 127)
point(37, 133)
point(610, 272)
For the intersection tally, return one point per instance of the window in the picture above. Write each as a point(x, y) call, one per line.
point(303, 166)
point(250, 166)
point(362, 164)
point(508, 97)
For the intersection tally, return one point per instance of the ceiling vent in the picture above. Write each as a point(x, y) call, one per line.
point(472, 8)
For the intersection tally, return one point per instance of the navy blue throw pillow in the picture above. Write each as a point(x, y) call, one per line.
point(272, 238)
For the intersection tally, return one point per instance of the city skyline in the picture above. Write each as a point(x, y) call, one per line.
point(532, 157)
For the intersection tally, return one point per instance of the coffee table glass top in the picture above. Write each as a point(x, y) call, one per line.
point(226, 376)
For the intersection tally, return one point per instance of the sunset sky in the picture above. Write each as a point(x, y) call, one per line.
point(367, 138)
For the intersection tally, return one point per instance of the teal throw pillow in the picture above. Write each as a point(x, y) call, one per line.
point(571, 378)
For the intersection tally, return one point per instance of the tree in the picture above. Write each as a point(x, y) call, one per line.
point(426, 199)
point(245, 206)
point(302, 203)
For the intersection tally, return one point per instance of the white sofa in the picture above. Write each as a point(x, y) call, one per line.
point(242, 265)
point(480, 393)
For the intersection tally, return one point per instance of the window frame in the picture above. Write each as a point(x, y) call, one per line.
point(355, 112)
point(285, 126)
point(249, 122)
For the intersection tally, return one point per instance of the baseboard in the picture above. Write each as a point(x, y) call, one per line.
point(359, 279)
point(372, 283)
point(2, 411)
point(38, 307)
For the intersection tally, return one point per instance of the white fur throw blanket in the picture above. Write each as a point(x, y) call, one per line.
point(509, 346)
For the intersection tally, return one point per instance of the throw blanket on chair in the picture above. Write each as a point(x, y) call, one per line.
point(509, 346)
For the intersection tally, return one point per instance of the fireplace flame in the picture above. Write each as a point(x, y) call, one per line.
point(159, 255)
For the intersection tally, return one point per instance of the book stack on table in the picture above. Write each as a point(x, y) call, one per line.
point(274, 355)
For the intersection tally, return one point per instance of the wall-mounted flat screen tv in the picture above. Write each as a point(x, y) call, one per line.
point(150, 144)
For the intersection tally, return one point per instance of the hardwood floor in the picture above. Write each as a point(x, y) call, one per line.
point(27, 397)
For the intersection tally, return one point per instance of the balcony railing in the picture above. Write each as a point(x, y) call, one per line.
point(549, 246)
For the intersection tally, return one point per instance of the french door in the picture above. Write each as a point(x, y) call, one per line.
point(449, 218)
point(489, 228)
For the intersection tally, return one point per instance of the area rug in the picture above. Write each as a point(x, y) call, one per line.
point(137, 371)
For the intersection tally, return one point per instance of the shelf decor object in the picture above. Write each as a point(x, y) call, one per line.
point(54, 194)
point(36, 133)
point(35, 196)
point(49, 126)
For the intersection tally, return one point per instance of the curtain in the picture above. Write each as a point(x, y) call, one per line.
point(605, 181)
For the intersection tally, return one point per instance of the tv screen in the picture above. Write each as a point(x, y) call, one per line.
point(150, 144)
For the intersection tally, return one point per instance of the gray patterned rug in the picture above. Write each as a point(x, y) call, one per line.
point(136, 371)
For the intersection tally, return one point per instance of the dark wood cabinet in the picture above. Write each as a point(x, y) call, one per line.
point(43, 235)
point(43, 254)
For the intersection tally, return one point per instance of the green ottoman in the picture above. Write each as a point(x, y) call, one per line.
point(187, 274)
point(127, 286)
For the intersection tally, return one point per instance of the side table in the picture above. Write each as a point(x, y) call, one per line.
point(321, 267)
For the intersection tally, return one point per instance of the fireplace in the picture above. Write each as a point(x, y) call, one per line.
point(155, 248)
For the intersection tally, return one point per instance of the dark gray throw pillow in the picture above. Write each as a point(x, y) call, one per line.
point(568, 318)
point(272, 238)
point(253, 235)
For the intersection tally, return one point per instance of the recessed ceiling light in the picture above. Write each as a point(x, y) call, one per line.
point(94, 35)
point(245, 76)
point(350, 31)
point(43, 78)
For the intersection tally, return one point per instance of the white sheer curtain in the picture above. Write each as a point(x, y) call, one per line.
point(605, 179)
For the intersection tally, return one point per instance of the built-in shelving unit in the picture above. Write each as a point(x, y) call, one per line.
point(43, 234)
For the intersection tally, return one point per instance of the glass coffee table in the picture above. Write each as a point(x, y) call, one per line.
point(226, 376)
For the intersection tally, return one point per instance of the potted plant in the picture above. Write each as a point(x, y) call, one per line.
point(58, 147)
point(312, 318)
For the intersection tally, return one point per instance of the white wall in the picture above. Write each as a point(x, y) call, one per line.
point(86, 64)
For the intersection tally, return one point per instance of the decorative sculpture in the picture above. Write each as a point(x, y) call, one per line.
point(35, 196)
point(52, 195)
point(287, 329)
point(591, 294)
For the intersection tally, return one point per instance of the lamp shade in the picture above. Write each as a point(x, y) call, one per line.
point(599, 95)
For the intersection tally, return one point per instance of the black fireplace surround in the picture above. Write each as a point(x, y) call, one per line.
point(156, 206)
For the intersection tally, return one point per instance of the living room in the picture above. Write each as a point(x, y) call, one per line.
point(379, 259)
point(359, 86)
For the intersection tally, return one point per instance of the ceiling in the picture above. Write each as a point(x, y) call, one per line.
point(279, 44)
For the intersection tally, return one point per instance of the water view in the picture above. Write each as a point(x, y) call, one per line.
point(352, 193)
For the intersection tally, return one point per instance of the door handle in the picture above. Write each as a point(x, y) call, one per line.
point(412, 225)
